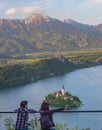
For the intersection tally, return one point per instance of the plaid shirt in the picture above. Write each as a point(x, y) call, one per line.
point(22, 117)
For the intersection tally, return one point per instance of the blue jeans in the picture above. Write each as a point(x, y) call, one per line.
point(26, 128)
point(52, 128)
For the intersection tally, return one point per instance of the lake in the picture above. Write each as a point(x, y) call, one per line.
point(84, 83)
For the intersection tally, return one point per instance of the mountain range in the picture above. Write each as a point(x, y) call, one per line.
point(40, 33)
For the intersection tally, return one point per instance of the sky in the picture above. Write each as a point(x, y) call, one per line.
point(82, 11)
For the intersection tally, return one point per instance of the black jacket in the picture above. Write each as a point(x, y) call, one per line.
point(50, 114)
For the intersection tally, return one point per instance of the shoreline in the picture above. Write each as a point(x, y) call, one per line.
point(23, 74)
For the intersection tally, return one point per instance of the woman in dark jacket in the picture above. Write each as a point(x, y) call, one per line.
point(47, 116)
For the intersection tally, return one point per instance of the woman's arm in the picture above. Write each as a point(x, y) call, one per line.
point(57, 110)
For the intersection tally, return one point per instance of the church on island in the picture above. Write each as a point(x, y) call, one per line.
point(62, 93)
point(62, 98)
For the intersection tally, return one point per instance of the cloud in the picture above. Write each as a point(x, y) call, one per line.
point(32, 9)
point(24, 10)
point(11, 11)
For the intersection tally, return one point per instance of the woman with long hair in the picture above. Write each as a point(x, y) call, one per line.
point(46, 120)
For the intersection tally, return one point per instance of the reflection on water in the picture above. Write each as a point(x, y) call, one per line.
point(84, 83)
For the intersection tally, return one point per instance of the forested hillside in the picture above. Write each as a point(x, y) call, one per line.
point(18, 74)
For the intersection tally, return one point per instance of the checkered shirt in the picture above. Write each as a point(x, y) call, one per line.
point(22, 117)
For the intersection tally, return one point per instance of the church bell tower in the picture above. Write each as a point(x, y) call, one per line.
point(63, 90)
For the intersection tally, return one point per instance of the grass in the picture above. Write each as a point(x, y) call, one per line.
point(78, 55)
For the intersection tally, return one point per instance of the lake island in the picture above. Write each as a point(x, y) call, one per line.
point(62, 98)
